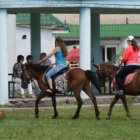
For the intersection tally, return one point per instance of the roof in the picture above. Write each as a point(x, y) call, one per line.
point(45, 20)
point(119, 30)
point(108, 30)
point(71, 6)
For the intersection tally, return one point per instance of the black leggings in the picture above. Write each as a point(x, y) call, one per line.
point(123, 73)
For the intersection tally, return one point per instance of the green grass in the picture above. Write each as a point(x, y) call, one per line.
point(21, 125)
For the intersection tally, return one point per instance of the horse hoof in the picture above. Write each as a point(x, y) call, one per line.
point(98, 118)
point(75, 117)
point(53, 117)
point(107, 118)
point(36, 116)
point(128, 117)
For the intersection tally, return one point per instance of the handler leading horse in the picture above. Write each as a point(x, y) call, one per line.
point(77, 80)
point(107, 70)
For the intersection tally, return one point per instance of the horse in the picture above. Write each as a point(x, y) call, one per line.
point(77, 80)
point(106, 70)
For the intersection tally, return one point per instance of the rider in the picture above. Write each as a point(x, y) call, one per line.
point(130, 59)
point(60, 52)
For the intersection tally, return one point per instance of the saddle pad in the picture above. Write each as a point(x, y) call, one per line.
point(127, 81)
point(61, 83)
point(129, 78)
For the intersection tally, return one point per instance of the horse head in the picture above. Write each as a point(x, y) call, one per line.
point(106, 71)
point(26, 77)
point(100, 72)
point(35, 71)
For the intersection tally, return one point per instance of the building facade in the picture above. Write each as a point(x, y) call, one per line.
point(19, 36)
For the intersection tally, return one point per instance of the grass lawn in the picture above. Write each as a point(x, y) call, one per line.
point(21, 125)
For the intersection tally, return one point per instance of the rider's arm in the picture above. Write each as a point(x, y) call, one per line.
point(126, 55)
point(51, 54)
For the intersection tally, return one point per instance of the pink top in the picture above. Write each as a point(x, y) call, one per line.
point(130, 56)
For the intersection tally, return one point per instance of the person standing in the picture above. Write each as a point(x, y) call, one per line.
point(60, 52)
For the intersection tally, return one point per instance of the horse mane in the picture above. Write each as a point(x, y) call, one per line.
point(108, 70)
point(37, 67)
point(110, 66)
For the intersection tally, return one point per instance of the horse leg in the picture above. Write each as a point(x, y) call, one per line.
point(116, 98)
point(41, 95)
point(54, 106)
point(125, 106)
point(92, 97)
point(79, 103)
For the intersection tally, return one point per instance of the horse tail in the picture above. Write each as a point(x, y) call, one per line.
point(92, 77)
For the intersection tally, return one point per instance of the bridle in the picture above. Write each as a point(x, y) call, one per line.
point(98, 69)
point(27, 77)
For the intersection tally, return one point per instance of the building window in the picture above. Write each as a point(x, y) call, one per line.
point(109, 53)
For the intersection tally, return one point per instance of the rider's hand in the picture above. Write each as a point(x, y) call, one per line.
point(39, 62)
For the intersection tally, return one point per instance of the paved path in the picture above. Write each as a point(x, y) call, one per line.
point(63, 102)
point(67, 107)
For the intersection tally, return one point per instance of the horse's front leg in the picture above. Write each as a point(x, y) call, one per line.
point(125, 106)
point(41, 95)
point(116, 98)
point(54, 106)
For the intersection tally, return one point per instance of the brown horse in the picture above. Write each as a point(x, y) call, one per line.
point(107, 70)
point(77, 80)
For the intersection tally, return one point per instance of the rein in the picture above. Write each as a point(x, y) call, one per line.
point(28, 78)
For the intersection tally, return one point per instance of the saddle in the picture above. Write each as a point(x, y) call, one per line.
point(59, 81)
point(64, 70)
point(127, 80)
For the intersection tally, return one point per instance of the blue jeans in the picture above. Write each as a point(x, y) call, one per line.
point(55, 70)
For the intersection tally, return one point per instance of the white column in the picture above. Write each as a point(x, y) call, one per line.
point(85, 38)
point(3, 58)
point(85, 41)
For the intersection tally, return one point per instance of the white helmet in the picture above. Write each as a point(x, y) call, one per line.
point(130, 38)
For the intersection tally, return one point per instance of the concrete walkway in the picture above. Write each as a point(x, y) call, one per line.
point(102, 100)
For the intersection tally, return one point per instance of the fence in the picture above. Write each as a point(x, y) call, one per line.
point(105, 87)
point(11, 87)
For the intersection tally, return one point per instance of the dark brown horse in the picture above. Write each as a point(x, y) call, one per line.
point(77, 80)
point(107, 70)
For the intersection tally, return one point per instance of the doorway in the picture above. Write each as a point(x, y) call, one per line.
point(109, 53)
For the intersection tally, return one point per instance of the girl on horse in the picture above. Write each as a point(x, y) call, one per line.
point(60, 52)
point(130, 59)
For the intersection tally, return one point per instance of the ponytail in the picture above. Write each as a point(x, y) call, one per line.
point(135, 46)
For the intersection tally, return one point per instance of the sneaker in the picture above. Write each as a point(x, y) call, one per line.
point(119, 92)
point(49, 90)
point(32, 96)
point(22, 96)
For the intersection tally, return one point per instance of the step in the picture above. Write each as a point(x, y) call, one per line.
point(62, 101)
